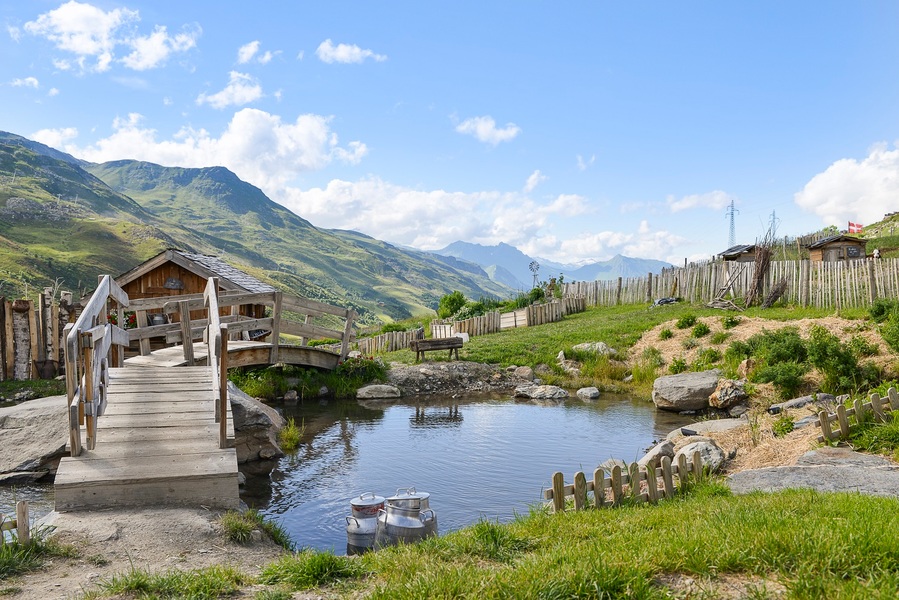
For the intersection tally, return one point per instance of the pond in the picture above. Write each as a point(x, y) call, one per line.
point(480, 457)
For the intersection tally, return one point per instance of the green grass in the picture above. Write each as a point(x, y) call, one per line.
point(310, 569)
point(290, 435)
point(238, 527)
point(212, 582)
point(16, 558)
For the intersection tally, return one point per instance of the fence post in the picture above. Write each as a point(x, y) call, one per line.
point(580, 491)
point(558, 492)
point(649, 287)
point(618, 292)
point(23, 530)
point(599, 488)
point(872, 282)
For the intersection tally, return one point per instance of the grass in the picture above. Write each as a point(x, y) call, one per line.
point(212, 582)
point(16, 558)
point(290, 435)
point(239, 526)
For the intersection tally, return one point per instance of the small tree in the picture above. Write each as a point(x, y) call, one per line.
point(450, 304)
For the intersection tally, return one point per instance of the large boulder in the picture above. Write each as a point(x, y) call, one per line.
point(541, 392)
point(685, 391)
point(728, 393)
point(256, 427)
point(34, 436)
point(665, 448)
point(600, 348)
point(588, 393)
point(378, 392)
point(710, 453)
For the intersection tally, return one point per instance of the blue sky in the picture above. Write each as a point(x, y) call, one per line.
point(574, 131)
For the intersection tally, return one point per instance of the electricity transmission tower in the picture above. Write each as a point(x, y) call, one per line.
point(731, 211)
point(534, 267)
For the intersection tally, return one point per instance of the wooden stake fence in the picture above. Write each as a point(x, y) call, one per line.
point(389, 342)
point(20, 525)
point(877, 409)
point(609, 491)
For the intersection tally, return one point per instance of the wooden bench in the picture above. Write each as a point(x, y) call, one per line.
point(421, 346)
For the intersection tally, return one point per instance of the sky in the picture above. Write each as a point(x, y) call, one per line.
point(574, 131)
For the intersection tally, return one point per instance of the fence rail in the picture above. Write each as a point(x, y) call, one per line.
point(634, 477)
point(877, 408)
point(843, 284)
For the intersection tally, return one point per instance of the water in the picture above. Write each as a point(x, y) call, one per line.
point(479, 457)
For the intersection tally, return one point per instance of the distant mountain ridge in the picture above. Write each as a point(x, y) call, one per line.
point(510, 266)
point(67, 220)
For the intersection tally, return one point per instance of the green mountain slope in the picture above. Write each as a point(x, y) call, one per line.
point(65, 220)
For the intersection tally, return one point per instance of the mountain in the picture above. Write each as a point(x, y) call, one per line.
point(510, 266)
point(66, 220)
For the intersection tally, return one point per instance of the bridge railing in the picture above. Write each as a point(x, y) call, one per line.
point(92, 343)
point(277, 302)
point(216, 338)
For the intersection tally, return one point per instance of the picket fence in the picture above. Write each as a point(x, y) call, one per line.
point(642, 483)
point(535, 314)
point(844, 284)
point(389, 342)
point(877, 408)
point(20, 525)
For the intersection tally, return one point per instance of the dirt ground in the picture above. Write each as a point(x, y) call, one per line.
point(114, 541)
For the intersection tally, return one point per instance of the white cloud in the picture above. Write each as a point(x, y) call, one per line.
point(26, 82)
point(485, 130)
point(582, 164)
point(854, 190)
point(55, 138)
point(300, 55)
point(535, 179)
point(258, 146)
point(344, 53)
point(241, 89)
point(52, 92)
point(166, 101)
point(153, 50)
point(246, 52)
point(716, 200)
point(89, 32)
point(14, 33)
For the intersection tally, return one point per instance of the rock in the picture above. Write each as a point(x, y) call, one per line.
point(728, 393)
point(655, 455)
point(256, 427)
point(464, 337)
point(34, 435)
point(354, 354)
point(806, 421)
point(525, 373)
point(588, 393)
point(600, 348)
point(738, 411)
point(560, 357)
point(241, 479)
point(745, 368)
point(377, 391)
point(540, 392)
point(323, 391)
point(710, 453)
point(291, 397)
point(21, 477)
point(24, 395)
point(819, 398)
point(705, 427)
point(685, 391)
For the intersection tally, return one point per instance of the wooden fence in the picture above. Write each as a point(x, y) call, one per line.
point(844, 284)
point(642, 483)
point(31, 341)
point(389, 342)
point(876, 409)
point(20, 525)
point(535, 314)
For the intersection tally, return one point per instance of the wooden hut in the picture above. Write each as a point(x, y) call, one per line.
point(836, 248)
point(739, 253)
point(175, 272)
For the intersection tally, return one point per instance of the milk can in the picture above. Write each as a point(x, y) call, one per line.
point(411, 499)
point(397, 524)
point(362, 525)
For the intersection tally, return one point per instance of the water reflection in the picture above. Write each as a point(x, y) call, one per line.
point(478, 456)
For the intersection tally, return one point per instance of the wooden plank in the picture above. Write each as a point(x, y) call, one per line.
point(580, 491)
point(124, 471)
point(843, 419)
point(218, 492)
point(617, 486)
point(34, 326)
point(667, 477)
point(652, 484)
point(128, 448)
point(599, 488)
point(876, 408)
point(558, 485)
point(9, 340)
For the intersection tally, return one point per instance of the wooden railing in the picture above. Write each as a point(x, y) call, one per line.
point(20, 525)
point(216, 338)
point(92, 343)
point(274, 325)
point(634, 477)
point(877, 409)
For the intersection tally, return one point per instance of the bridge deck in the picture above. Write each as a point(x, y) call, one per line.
point(157, 445)
point(241, 353)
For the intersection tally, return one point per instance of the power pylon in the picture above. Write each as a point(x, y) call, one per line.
point(731, 211)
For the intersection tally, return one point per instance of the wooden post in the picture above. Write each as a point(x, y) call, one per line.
point(697, 465)
point(558, 492)
point(223, 389)
point(843, 420)
point(8, 364)
point(599, 488)
point(652, 486)
point(34, 327)
point(667, 477)
point(618, 292)
point(633, 471)
point(872, 282)
point(805, 277)
point(23, 529)
point(683, 473)
point(824, 421)
point(876, 404)
point(617, 491)
point(187, 341)
point(276, 327)
point(649, 287)
point(894, 398)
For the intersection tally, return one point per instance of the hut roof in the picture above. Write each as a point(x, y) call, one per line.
point(230, 278)
point(836, 238)
point(738, 250)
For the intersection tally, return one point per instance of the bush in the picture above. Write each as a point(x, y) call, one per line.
point(391, 327)
point(690, 343)
point(686, 321)
point(450, 304)
point(700, 330)
point(719, 337)
point(678, 365)
point(889, 331)
point(709, 356)
point(786, 377)
point(882, 309)
point(665, 334)
point(860, 347)
point(838, 364)
point(730, 321)
point(782, 426)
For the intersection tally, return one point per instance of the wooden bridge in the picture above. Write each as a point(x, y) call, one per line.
point(166, 436)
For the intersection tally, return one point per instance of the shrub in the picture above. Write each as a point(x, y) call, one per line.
point(889, 331)
point(665, 334)
point(786, 377)
point(719, 337)
point(709, 356)
point(730, 321)
point(860, 347)
point(678, 365)
point(686, 321)
point(391, 327)
point(882, 309)
point(782, 426)
point(450, 304)
point(644, 370)
point(690, 343)
point(838, 364)
point(700, 330)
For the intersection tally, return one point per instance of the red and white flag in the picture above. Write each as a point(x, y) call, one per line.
point(855, 227)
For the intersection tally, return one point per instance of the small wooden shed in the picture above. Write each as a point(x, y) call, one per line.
point(836, 248)
point(175, 272)
point(739, 253)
